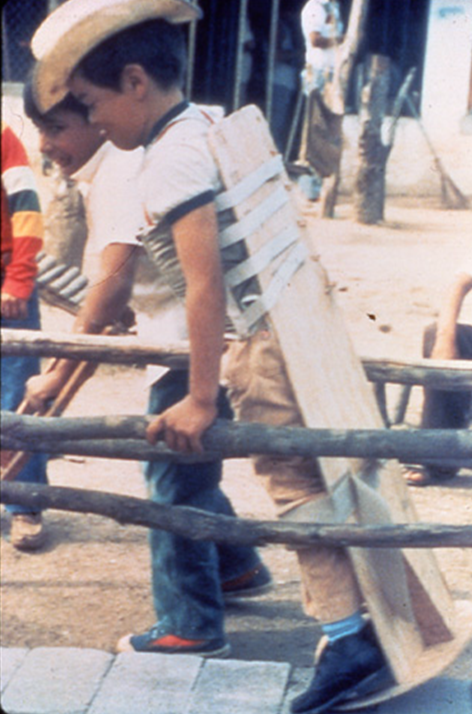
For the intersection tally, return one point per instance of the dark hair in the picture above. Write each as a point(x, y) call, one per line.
point(157, 45)
point(69, 103)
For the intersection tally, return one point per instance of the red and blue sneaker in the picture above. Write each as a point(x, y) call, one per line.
point(159, 642)
point(253, 583)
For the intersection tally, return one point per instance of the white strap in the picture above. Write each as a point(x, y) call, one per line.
point(281, 278)
point(260, 260)
point(254, 220)
point(249, 184)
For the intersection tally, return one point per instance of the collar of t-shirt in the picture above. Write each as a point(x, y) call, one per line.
point(85, 175)
point(165, 120)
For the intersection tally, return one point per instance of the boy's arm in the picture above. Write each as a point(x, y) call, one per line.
point(445, 344)
point(104, 304)
point(108, 296)
point(196, 240)
point(23, 227)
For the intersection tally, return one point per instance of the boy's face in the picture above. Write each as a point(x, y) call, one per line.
point(68, 139)
point(116, 113)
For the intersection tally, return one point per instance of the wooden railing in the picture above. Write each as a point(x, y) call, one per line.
point(124, 438)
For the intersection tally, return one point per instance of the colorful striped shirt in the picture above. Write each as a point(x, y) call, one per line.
point(22, 225)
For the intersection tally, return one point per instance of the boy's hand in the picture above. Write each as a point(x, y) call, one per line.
point(43, 387)
point(182, 426)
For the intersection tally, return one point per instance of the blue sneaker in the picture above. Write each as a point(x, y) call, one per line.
point(253, 583)
point(155, 641)
point(349, 668)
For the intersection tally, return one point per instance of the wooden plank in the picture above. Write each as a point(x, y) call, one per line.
point(332, 391)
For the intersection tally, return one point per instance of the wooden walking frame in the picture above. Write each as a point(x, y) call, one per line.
point(12, 462)
point(418, 625)
point(63, 287)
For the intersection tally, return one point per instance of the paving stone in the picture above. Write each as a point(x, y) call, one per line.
point(56, 680)
point(86, 681)
point(233, 687)
point(438, 696)
point(10, 660)
point(300, 678)
point(147, 684)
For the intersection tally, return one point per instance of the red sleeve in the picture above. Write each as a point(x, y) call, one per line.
point(22, 226)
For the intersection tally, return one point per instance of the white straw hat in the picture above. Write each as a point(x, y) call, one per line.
point(77, 26)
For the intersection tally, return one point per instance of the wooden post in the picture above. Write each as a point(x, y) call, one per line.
point(369, 192)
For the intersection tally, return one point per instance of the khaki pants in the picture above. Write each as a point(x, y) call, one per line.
point(259, 390)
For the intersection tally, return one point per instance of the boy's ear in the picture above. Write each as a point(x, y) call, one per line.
point(135, 79)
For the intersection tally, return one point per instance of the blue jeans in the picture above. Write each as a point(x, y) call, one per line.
point(15, 371)
point(187, 574)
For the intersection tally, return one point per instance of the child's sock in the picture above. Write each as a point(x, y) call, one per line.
point(341, 628)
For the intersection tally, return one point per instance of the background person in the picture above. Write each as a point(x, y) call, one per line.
point(446, 339)
point(21, 241)
point(322, 31)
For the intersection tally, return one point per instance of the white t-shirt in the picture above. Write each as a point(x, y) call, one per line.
point(178, 175)
point(113, 209)
point(114, 212)
point(466, 267)
point(323, 17)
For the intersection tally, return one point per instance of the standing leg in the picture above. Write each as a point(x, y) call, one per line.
point(26, 531)
point(260, 391)
point(187, 591)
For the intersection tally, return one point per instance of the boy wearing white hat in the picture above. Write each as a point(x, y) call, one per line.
point(191, 579)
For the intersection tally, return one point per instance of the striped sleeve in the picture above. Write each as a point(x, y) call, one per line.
point(22, 225)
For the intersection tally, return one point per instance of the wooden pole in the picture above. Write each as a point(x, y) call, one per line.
point(242, 25)
point(439, 374)
point(201, 525)
point(110, 349)
point(192, 42)
point(369, 193)
point(12, 462)
point(452, 197)
point(436, 374)
point(349, 49)
point(123, 438)
point(271, 56)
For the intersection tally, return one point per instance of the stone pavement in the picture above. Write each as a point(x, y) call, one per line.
point(48, 680)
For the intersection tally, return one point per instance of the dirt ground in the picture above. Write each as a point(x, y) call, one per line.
point(90, 583)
